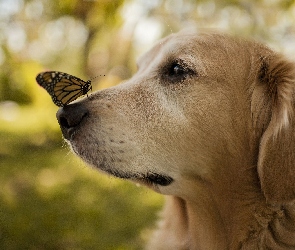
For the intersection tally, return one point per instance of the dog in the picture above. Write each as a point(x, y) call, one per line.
point(208, 121)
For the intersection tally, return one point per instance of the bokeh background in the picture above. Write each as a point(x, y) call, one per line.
point(49, 199)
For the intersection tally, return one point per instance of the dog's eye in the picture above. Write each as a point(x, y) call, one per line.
point(177, 72)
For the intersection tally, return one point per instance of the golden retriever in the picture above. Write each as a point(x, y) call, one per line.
point(208, 121)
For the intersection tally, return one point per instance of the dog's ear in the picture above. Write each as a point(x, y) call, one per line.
point(274, 119)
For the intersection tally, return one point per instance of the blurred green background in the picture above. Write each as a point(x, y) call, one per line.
point(48, 198)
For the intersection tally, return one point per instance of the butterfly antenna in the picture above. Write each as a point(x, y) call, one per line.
point(96, 77)
point(90, 88)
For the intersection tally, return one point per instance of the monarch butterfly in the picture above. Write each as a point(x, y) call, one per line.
point(62, 87)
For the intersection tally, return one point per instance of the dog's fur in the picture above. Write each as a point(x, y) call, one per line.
point(208, 120)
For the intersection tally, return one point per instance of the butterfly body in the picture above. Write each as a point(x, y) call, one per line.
point(62, 87)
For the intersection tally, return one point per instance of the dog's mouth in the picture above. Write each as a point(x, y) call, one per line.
point(149, 178)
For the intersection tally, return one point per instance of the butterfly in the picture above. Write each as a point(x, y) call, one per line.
point(62, 87)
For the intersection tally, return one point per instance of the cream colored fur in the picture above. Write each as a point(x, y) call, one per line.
point(224, 133)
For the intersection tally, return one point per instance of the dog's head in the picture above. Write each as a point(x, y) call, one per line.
point(198, 108)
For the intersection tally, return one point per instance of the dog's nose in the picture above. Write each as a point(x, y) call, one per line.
point(70, 118)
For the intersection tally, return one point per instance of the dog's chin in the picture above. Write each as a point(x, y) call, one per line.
point(148, 178)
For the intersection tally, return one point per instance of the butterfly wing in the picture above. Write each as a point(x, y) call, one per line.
point(62, 87)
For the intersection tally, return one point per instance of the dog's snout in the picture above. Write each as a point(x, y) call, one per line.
point(70, 118)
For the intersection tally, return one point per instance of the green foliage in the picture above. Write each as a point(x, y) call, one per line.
point(50, 201)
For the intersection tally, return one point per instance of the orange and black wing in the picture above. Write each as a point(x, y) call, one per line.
point(62, 87)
